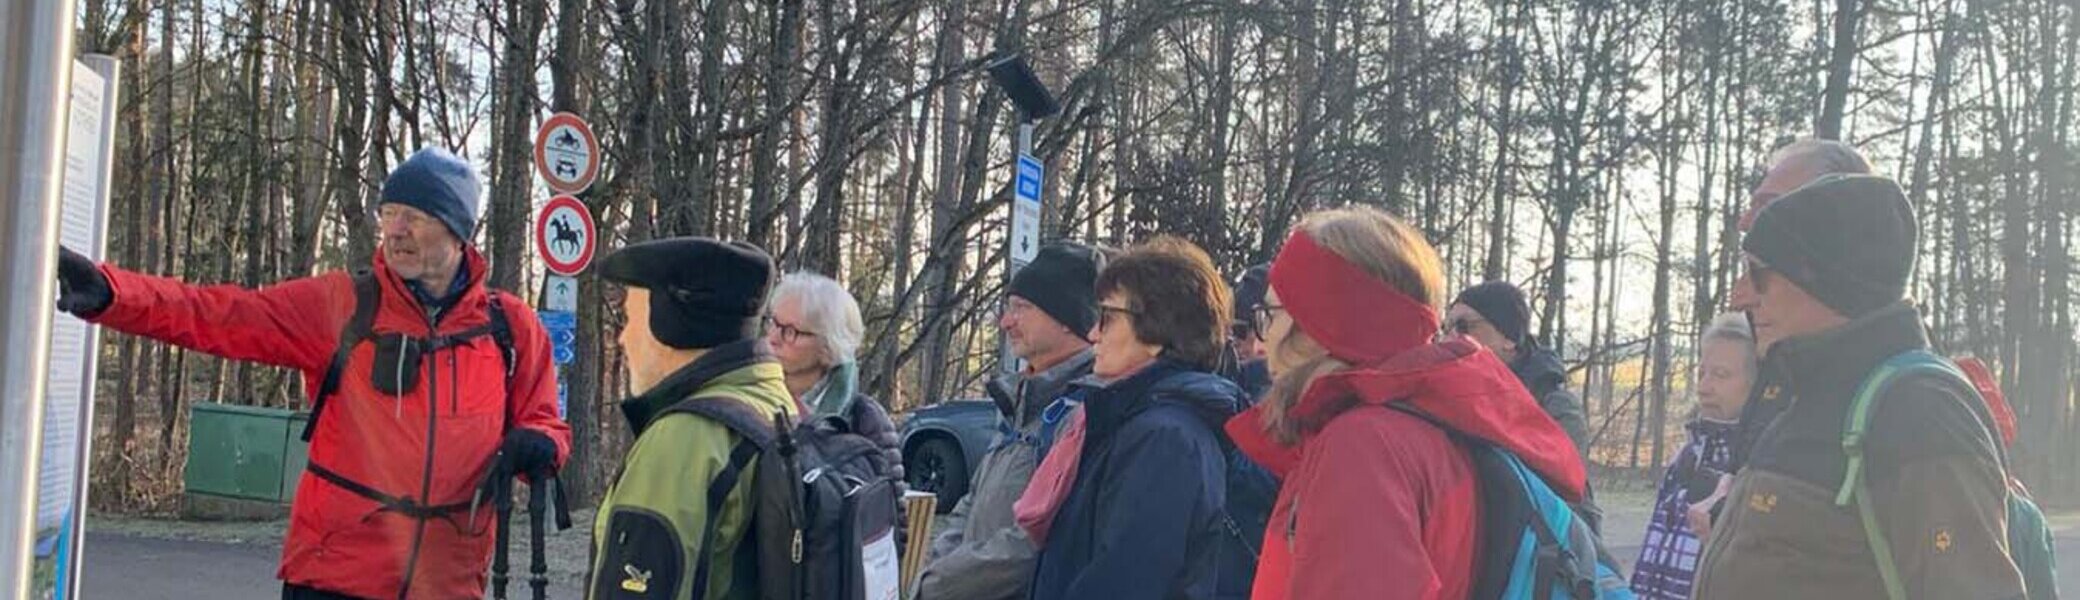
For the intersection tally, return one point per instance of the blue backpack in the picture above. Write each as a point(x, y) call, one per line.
point(1534, 545)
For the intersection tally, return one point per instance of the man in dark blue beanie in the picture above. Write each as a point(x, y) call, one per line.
point(428, 213)
point(435, 383)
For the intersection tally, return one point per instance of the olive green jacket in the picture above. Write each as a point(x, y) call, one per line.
point(647, 537)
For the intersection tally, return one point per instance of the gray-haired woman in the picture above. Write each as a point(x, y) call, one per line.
point(1699, 477)
point(814, 327)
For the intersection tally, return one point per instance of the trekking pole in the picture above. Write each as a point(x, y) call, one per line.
point(501, 561)
point(538, 564)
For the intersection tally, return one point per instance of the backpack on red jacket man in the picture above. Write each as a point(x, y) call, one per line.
point(417, 401)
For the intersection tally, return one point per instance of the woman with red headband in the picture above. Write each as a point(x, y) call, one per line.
point(1377, 501)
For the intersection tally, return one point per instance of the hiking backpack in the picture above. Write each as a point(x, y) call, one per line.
point(825, 506)
point(1854, 428)
point(1533, 544)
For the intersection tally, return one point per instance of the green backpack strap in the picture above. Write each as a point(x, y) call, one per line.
point(1853, 485)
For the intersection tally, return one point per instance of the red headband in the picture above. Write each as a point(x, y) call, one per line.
point(1351, 313)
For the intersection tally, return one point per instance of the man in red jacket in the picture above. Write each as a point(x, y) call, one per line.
point(435, 381)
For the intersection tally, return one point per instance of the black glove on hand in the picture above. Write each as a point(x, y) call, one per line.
point(82, 289)
point(528, 452)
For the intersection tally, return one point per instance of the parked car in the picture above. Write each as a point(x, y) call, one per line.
point(943, 443)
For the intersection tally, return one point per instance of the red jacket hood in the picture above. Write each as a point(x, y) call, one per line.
point(1454, 382)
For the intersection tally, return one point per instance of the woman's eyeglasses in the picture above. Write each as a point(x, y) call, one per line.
point(1260, 317)
point(788, 333)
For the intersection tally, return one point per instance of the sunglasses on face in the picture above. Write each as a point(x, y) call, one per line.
point(1758, 273)
point(1465, 326)
point(1106, 314)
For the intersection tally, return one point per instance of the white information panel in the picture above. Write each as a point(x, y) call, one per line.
point(69, 400)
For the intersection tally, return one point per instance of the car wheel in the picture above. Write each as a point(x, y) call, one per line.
point(938, 467)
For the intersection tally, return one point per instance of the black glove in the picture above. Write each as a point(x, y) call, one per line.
point(528, 452)
point(82, 289)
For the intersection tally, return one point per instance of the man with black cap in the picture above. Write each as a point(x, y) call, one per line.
point(1879, 480)
point(423, 381)
point(982, 553)
point(1497, 315)
point(693, 308)
point(1244, 364)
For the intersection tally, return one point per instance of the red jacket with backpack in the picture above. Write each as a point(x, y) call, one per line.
point(392, 478)
point(1375, 501)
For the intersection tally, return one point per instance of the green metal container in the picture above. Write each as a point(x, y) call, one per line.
point(245, 452)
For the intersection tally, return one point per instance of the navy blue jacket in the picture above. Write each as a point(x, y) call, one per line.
point(1143, 519)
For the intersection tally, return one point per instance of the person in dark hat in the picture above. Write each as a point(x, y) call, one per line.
point(981, 553)
point(1914, 505)
point(1244, 363)
point(396, 452)
point(1496, 314)
point(693, 308)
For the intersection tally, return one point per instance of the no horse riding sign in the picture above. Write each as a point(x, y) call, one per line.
point(564, 235)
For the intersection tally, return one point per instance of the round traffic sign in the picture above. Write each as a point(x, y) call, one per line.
point(564, 235)
point(566, 153)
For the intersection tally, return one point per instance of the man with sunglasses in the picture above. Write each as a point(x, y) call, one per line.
point(1791, 167)
point(1497, 315)
point(424, 381)
point(1869, 484)
point(981, 552)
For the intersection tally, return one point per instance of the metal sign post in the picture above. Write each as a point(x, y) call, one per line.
point(36, 54)
point(1016, 78)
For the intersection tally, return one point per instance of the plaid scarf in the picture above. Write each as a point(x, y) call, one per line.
point(1668, 557)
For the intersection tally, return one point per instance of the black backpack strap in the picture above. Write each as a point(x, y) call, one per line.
point(746, 422)
point(502, 333)
point(358, 327)
point(758, 434)
point(718, 492)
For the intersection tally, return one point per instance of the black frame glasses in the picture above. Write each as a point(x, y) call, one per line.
point(788, 333)
point(1260, 317)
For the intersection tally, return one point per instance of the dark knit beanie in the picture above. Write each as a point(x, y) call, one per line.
point(703, 293)
point(1849, 240)
point(1503, 305)
point(1249, 292)
point(440, 184)
point(1062, 280)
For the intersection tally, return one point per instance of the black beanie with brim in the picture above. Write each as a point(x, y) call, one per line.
point(704, 293)
point(1848, 240)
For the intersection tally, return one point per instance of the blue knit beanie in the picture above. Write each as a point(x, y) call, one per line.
point(440, 184)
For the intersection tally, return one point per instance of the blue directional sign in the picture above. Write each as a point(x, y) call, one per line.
point(552, 319)
point(1025, 211)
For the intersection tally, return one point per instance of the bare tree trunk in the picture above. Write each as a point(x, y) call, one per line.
point(940, 269)
point(1495, 266)
point(512, 182)
point(765, 152)
point(1841, 65)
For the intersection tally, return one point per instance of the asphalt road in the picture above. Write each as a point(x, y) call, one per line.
point(138, 567)
point(149, 566)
